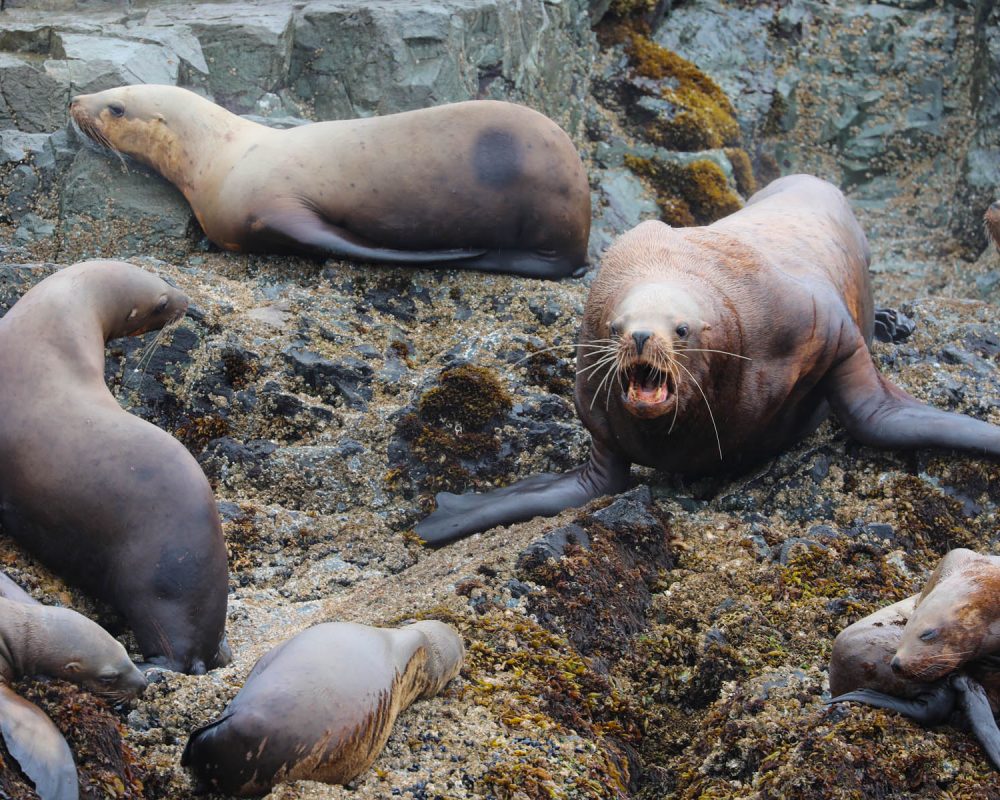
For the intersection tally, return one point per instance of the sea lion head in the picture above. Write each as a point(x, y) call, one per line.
point(649, 330)
point(128, 300)
point(79, 650)
point(146, 122)
point(956, 619)
point(445, 653)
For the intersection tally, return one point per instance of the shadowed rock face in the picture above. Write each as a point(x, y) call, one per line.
point(300, 388)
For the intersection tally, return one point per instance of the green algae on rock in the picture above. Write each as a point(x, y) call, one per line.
point(693, 194)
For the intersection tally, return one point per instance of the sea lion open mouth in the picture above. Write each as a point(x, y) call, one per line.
point(648, 386)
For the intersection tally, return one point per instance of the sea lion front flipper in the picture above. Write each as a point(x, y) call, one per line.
point(972, 698)
point(928, 708)
point(540, 495)
point(306, 229)
point(38, 747)
point(892, 326)
point(878, 413)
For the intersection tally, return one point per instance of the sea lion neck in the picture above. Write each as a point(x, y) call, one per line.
point(16, 628)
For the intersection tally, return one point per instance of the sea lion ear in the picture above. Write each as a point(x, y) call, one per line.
point(73, 667)
point(159, 117)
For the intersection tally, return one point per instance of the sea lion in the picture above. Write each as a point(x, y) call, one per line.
point(45, 641)
point(321, 705)
point(705, 349)
point(480, 185)
point(991, 223)
point(933, 653)
point(107, 500)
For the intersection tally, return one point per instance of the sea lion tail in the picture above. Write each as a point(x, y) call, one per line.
point(38, 747)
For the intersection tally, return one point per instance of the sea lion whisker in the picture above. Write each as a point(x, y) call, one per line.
point(573, 345)
point(603, 360)
point(710, 350)
point(711, 416)
point(612, 368)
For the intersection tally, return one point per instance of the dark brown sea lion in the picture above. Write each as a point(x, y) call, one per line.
point(321, 705)
point(477, 185)
point(39, 640)
point(107, 500)
point(932, 653)
point(704, 349)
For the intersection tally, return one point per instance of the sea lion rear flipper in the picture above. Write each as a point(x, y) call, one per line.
point(38, 747)
point(972, 698)
point(878, 413)
point(307, 229)
point(892, 326)
point(928, 708)
point(540, 495)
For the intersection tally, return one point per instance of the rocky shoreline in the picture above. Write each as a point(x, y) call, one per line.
point(671, 642)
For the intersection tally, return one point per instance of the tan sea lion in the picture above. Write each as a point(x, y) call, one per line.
point(107, 500)
point(321, 705)
point(705, 349)
point(932, 653)
point(991, 222)
point(476, 185)
point(39, 640)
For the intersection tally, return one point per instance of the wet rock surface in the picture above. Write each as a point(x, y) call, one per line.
point(669, 642)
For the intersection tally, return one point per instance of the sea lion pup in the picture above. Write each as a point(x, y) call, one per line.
point(476, 185)
point(321, 705)
point(933, 653)
point(39, 640)
point(107, 500)
point(705, 349)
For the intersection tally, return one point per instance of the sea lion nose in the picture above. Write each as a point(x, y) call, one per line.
point(895, 665)
point(640, 337)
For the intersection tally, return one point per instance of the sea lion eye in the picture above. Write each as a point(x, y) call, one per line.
point(929, 636)
point(161, 306)
point(616, 329)
point(682, 331)
point(116, 109)
point(108, 679)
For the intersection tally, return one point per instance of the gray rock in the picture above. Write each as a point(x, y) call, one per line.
point(244, 56)
point(134, 61)
point(30, 99)
point(355, 59)
point(98, 194)
point(621, 202)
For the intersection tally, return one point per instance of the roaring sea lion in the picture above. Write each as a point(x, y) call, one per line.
point(44, 641)
point(704, 349)
point(107, 500)
point(476, 185)
point(932, 653)
point(321, 705)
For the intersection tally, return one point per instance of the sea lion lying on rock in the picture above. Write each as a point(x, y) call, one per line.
point(107, 500)
point(321, 705)
point(932, 653)
point(477, 185)
point(705, 349)
point(46, 641)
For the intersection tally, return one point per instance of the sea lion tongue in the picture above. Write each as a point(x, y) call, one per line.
point(647, 385)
